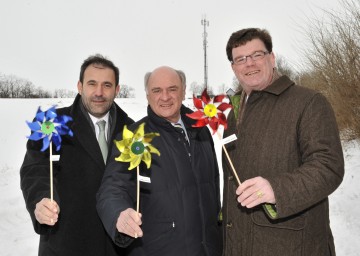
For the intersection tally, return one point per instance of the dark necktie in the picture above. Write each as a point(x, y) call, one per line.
point(102, 139)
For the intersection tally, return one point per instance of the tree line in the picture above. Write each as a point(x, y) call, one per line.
point(333, 62)
point(12, 86)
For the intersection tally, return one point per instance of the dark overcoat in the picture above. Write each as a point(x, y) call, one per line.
point(77, 178)
point(288, 135)
point(180, 204)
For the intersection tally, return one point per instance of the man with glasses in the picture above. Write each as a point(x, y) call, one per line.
point(287, 154)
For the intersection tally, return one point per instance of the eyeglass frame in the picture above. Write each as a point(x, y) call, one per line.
point(260, 57)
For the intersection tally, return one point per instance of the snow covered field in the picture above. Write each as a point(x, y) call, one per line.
point(18, 238)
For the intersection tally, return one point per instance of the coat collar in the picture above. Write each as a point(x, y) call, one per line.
point(83, 129)
point(188, 122)
point(279, 85)
point(84, 132)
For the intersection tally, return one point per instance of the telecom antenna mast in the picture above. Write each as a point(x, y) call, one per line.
point(205, 23)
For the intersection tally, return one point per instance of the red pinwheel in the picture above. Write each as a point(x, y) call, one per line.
point(210, 111)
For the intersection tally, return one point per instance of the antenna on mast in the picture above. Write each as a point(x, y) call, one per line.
point(205, 23)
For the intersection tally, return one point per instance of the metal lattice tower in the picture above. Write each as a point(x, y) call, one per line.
point(205, 23)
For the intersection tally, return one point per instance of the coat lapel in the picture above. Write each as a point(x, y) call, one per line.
point(86, 137)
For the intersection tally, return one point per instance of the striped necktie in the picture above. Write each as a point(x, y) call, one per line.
point(180, 129)
point(102, 139)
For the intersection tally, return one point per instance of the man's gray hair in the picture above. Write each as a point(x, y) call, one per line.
point(180, 73)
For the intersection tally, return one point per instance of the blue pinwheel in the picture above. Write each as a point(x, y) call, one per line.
point(49, 127)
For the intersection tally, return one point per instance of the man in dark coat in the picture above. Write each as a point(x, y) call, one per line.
point(287, 154)
point(179, 200)
point(69, 225)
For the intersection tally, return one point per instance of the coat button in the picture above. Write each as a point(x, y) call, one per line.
point(229, 224)
point(230, 177)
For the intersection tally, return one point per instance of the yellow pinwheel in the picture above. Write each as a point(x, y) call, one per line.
point(135, 147)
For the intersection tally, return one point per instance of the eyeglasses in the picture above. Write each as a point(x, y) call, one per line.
point(258, 55)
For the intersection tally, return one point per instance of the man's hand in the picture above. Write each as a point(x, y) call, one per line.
point(255, 191)
point(129, 223)
point(47, 212)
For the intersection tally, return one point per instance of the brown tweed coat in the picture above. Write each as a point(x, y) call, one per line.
point(288, 135)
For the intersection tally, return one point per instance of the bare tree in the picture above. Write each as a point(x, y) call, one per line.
point(12, 86)
point(210, 91)
point(284, 67)
point(12, 83)
point(41, 93)
point(236, 84)
point(196, 88)
point(126, 92)
point(28, 90)
point(4, 87)
point(333, 63)
point(192, 88)
point(64, 93)
point(222, 88)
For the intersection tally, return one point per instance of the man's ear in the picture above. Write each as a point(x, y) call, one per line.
point(233, 67)
point(117, 89)
point(79, 87)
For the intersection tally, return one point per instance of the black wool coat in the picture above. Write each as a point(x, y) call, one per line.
point(77, 177)
point(181, 204)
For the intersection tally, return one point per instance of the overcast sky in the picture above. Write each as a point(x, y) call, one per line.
point(45, 41)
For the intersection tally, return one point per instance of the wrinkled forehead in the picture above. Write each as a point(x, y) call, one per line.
point(164, 80)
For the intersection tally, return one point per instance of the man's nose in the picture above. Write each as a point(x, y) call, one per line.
point(165, 94)
point(99, 90)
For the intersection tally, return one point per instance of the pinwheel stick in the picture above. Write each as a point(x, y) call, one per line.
point(228, 157)
point(137, 189)
point(51, 174)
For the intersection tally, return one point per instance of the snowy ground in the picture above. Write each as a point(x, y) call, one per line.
point(18, 238)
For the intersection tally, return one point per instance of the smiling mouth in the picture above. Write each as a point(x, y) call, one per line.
point(252, 73)
point(166, 105)
point(98, 102)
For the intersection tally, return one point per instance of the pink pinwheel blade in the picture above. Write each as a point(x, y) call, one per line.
point(197, 103)
point(214, 126)
point(205, 97)
point(201, 123)
point(219, 98)
point(224, 106)
point(222, 120)
point(196, 115)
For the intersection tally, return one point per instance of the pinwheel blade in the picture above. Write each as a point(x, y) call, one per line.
point(49, 127)
point(136, 147)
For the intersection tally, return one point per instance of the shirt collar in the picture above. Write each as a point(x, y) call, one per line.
point(95, 119)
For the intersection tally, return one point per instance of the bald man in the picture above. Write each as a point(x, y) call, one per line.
point(179, 201)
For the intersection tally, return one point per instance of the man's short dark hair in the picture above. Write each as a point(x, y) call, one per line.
point(243, 36)
point(102, 61)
